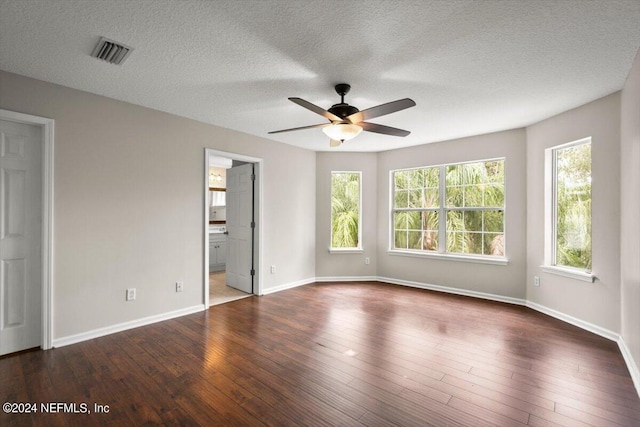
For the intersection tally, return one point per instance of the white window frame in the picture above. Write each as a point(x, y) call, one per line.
point(359, 248)
point(551, 218)
point(442, 225)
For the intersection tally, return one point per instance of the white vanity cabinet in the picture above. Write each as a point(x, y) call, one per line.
point(217, 251)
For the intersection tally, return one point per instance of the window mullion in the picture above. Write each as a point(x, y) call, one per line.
point(554, 209)
point(442, 212)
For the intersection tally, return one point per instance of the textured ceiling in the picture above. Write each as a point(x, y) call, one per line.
point(471, 66)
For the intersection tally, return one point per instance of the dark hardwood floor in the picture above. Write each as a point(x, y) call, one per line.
point(334, 354)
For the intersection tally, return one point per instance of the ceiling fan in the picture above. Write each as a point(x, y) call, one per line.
point(346, 121)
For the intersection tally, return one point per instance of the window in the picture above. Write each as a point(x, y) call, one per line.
point(571, 205)
point(450, 209)
point(345, 210)
point(416, 209)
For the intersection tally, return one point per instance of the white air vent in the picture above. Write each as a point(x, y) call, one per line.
point(111, 51)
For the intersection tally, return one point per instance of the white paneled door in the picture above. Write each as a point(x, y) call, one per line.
point(239, 217)
point(20, 236)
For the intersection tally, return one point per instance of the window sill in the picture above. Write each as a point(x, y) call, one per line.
point(451, 257)
point(569, 272)
point(346, 250)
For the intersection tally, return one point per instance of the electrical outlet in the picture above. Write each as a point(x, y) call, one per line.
point(367, 260)
point(273, 269)
point(131, 294)
point(179, 286)
point(536, 281)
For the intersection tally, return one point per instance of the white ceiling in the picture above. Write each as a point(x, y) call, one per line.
point(472, 67)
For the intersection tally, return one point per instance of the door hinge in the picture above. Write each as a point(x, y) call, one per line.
point(253, 272)
point(253, 177)
point(253, 224)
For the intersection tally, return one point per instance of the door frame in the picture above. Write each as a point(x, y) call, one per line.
point(258, 212)
point(47, 126)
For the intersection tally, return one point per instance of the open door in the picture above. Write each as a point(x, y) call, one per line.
point(20, 236)
point(240, 226)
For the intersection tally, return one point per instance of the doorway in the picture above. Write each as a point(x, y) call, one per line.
point(26, 230)
point(232, 227)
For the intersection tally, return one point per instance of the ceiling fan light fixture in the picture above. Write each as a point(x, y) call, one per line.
point(342, 131)
point(347, 121)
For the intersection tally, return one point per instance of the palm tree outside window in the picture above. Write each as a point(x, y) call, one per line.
point(346, 210)
point(450, 209)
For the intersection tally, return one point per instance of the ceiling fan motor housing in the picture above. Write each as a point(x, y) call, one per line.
point(343, 110)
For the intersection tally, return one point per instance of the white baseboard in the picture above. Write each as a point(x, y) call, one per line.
point(95, 333)
point(626, 354)
point(492, 297)
point(574, 321)
point(631, 364)
point(590, 327)
point(286, 286)
point(347, 279)
point(457, 291)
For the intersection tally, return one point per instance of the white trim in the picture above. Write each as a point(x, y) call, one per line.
point(346, 251)
point(605, 333)
point(574, 321)
point(286, 286)
point(205, 233)
point(632, 366)
point(108, 330)
point(589, 327)
point(48, 140)
point(347, 279)
point(551, 202)
point(449, 256)
point(457, 291)
point(549, 208)
point(569, 272)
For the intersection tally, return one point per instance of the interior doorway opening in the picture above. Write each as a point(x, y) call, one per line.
point(232, 227)
point(26, 298)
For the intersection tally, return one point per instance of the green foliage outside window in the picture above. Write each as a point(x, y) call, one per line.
point(345, 209)
point(573, 206)
point(475, 185)
point(416, 189)
point(472, 206)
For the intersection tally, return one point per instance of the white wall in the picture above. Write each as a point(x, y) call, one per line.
point(597, 303)
point(507, 280)
point(630, 214)
point(346, 264)
point(128, 194)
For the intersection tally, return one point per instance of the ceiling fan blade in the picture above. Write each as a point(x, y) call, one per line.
point(385, 130)
point(311, 107)
point(334, 143)
point(301, 127)
point(381, 110)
